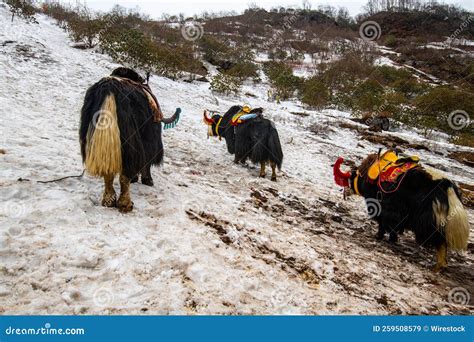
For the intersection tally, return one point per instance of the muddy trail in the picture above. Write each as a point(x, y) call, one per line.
point(327, 224)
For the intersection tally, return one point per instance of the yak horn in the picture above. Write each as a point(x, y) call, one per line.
point(172, 121)
point(341, 178)
point(207, 120)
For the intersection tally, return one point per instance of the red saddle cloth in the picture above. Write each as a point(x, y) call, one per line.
point(392, 174)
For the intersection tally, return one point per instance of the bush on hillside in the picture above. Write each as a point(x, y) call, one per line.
point(225, 84)
point(237, 61)
point(281, 78)
point(367, 96)
point(23, 9)
point(314, 93)
point(86, 30)
point(433, 109)
point(130, 38)
point(62, 14)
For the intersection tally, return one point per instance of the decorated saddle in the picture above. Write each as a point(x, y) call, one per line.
point(389, 167)
point(243, 116)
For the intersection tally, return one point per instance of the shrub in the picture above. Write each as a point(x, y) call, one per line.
point(130, 46)
point(281, 78)
point(225, 84)
point(57, 11)
point(237, 61)
point(390, 41)
point(433, 108)
point(410, 88)
point(386, 75)
point(23, 9)
point(213, 49)
point(368, 96)
point(346, 71)
point(130, 38)
point(277, 54)
point(314, 93)
point(243, 70)
point(394, 104)
point(86, 30)
point(464, 139)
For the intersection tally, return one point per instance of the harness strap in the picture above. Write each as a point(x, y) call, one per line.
point(356, 187)
point(217, 127)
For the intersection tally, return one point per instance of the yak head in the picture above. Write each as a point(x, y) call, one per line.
point(211, 121)
point(341, 178)
point(345, 179)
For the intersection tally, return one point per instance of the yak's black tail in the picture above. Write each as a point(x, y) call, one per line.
point(274, 146)
point(259, 140)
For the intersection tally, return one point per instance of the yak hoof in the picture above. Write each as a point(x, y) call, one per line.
point(147, 181)
point(379, 236)
point(438, 268)
point(262, 176)
point(134, 179)
point(393, 238)
point(125, 206)
point(274, 179)
point(109, 200)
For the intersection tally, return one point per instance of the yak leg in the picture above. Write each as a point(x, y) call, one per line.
point(442, 257)
point(109, 198)
point(393, 237)
point(381, 232)
point(274, 175)
point(125, 203)
point(146, 176)
point(134, 179)
point(262, 169)
point(239, 159)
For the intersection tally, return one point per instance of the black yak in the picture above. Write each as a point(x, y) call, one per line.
point(401, 194)
point(120, 133)
point(248, 136)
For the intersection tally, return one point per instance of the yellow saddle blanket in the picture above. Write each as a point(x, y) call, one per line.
point(389, 166)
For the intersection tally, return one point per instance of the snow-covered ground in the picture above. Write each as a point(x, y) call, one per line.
point(210, 237)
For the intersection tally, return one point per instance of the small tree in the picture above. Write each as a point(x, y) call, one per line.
point(86, 30)
point(315, 93)
point(281, 77)
point(23, 9)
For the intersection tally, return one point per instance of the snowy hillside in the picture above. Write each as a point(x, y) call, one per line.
point(210, 237)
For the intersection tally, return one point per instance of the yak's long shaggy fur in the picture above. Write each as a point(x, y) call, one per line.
point(256, 139)
point(113, 108)
point(426, 203)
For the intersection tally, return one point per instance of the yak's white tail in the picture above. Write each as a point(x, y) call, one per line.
point(103, 146)
point(454, 220)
